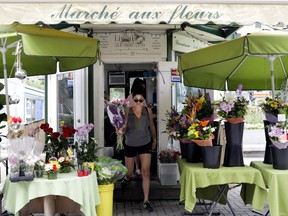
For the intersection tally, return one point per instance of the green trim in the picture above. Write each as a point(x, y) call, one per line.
point(46, 99)
point(91, 98)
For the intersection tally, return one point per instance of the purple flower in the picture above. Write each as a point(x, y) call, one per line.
point(226, 107)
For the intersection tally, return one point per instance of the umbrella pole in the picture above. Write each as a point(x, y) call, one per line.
point(271, 60)
point(3, 51)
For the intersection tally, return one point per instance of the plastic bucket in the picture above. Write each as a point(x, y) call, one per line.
point(105, 208)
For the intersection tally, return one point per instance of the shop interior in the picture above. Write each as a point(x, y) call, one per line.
point(118, 83)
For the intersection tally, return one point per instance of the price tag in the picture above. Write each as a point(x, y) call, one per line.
point(281, 117)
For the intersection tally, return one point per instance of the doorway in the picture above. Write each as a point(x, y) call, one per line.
point(118, 81)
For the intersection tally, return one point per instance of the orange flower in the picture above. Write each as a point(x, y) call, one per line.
point(204, 123)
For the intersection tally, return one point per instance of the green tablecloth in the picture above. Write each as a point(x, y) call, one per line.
point(276, 181)
point(194, 177)
point(82, 190)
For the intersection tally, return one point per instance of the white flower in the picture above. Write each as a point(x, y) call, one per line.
point(230, 96)
point(61, 159)
point(48, 167)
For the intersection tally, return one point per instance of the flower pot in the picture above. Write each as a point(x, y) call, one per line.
point(211, 156)
point(66, 169)
point(235, 120)
point(193, 152)
point(206, 142)
point(183, 145)
point(105, 208)
point(279, 158)
point(216, 124)
point(268, 154)
point(233, 151)
point(52, 175)
point(168, 173)
point(38, 173)
point(80, 173)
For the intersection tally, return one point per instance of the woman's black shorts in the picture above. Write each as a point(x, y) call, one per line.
point(133, 151)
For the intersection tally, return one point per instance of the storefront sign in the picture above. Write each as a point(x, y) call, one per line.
point(145, 13)
point(183, 44)
point(133, 45)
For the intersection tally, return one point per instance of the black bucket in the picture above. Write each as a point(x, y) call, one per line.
point(211, 156)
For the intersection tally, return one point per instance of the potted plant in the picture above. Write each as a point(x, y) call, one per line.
point(278, 134)
point(168, 168)
point(108, 172)
point(176, 127)
point(66, 163)
point(201, 104)
point(86, 151)
point(57, 143)
point(233, 108)
point(39, 168)
point(271, 108)
point(52, 168)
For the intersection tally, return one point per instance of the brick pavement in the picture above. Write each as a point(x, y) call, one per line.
point(173, 208)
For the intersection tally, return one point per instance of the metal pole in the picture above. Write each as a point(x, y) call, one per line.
point(271, 60)
point(3, 51)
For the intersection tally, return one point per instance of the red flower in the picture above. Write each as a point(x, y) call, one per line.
point(44, 127)
point(56, 135)
point(54, 167)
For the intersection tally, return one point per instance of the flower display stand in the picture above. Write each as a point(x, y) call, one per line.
point(105, 208)
point(233, 151)
point(193, 153)
point(168, 173)
point(268, 154)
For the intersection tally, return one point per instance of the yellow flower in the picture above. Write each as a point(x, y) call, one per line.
point(70, 152)
point(273, 104)
point(56, 163)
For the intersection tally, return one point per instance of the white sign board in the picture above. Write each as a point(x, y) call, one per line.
point(132, 45)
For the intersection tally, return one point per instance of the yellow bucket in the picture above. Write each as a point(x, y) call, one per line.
point(105, 208)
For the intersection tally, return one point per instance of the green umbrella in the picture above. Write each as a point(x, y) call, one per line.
point(42, 48)
point(259, 61)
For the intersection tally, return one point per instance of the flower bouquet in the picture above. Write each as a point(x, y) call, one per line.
point(278, 134)
point(57, 143)
point(169, 156)
point(86, 151)
point(202, 106)
point(176, 125)
point(117, 112)
point(66, 163)
point(109, 170)
point(273, 107)
point(21, 158)
point(233, 105)
point(52, 168)
point(201, 133)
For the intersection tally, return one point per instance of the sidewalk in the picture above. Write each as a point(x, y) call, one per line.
point(173, 208)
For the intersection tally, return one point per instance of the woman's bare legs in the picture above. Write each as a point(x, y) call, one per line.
point(145, 160)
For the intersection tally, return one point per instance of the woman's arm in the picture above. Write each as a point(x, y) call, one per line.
point(152, 128)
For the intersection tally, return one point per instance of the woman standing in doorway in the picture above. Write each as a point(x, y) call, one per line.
point(137, 83)
point(140, 138)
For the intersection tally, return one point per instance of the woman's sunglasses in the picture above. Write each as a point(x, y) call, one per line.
point(136, 100)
